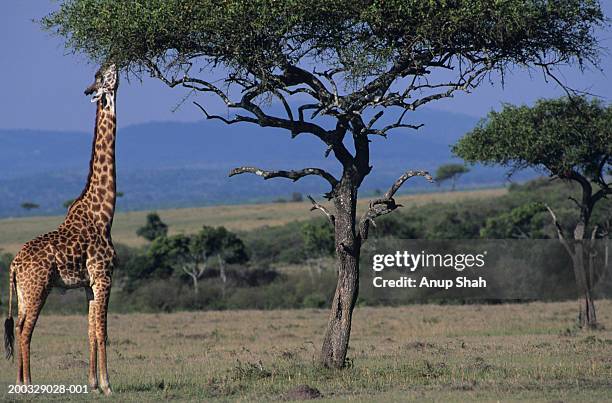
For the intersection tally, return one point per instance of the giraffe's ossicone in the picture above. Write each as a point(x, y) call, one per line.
point(79, 253)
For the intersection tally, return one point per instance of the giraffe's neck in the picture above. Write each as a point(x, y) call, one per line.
point(100, 192)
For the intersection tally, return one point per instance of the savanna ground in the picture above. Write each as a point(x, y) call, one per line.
point(422, 353)
point(15, 231)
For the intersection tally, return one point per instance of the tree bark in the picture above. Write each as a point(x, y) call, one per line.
point(576, 250)
point(348, 248)
point(195, 287)
point(587, 317)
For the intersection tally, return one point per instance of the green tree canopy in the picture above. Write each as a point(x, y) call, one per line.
point(450, 172)
point(193, 254)
point(565, 137)
point(218, 241)
point(364, 37)
point(154, 228)
point(526, 221)
point(318, 240)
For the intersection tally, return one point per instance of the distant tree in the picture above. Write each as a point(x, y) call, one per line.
point(120, 194)
point(154, 228)
point(297, 197)
point(225, 245)
point(180, 252)
point(450, 172)
point(29, 206)
point(194, 254)
point(569, 138)
point(336, 67)
point(318, 241)
point(68, 203)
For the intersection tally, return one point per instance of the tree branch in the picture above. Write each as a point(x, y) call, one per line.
point(293, 175)
point(317, 206)
point(398, 124)
point(560, 233)
point(386, 203)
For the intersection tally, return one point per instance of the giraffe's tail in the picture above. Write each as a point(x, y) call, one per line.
point(9, 323)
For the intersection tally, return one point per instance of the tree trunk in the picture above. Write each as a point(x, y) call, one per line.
point(195, 287)
point(587, 317)
point(348, 246)
point(222, 275)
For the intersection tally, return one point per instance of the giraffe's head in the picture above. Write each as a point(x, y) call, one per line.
point(105, 84)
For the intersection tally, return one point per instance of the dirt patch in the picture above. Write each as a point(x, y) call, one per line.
point(302, 392)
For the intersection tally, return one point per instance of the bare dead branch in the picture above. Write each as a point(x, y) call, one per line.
point(571, 93)
point(400, 181)
point(560, 233)
point(398, 124)
point(293, 175)
point(386, 203)
point(317, 206)
point(237, 119)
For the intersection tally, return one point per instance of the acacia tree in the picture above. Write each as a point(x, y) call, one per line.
point(450, 172)
point(154, 228)
point(569, 138)
point(226, 246)
point(193, 254)
point(342, 71)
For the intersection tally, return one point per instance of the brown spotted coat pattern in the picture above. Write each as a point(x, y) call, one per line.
point(80, 252)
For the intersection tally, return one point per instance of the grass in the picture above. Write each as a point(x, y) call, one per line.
point(16, 231)
point(420, 353)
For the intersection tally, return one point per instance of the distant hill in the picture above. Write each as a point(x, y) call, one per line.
point(170, 164)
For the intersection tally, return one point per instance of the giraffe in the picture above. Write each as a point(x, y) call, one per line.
point(79, 253)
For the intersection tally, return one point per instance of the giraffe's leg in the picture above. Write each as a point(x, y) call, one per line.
point(93, 348)
point(101, 289)
point(35, 302)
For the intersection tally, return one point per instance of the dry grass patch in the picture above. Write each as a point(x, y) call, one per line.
point(479, 353)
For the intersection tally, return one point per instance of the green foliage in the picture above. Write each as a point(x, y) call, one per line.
point(273, 245)
point(450, 171)
point(468, 219)
point(560, 136)
point(364, 37)
point(193, 254)
point(526, 221)
point(154, 228)
point(68, 203)
point(176, 252)
point(318, 239)
point(218, 241)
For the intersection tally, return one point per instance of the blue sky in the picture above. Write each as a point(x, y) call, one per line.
point(42, 85)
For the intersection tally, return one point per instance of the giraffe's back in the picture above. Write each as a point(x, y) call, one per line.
point(59, 257)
